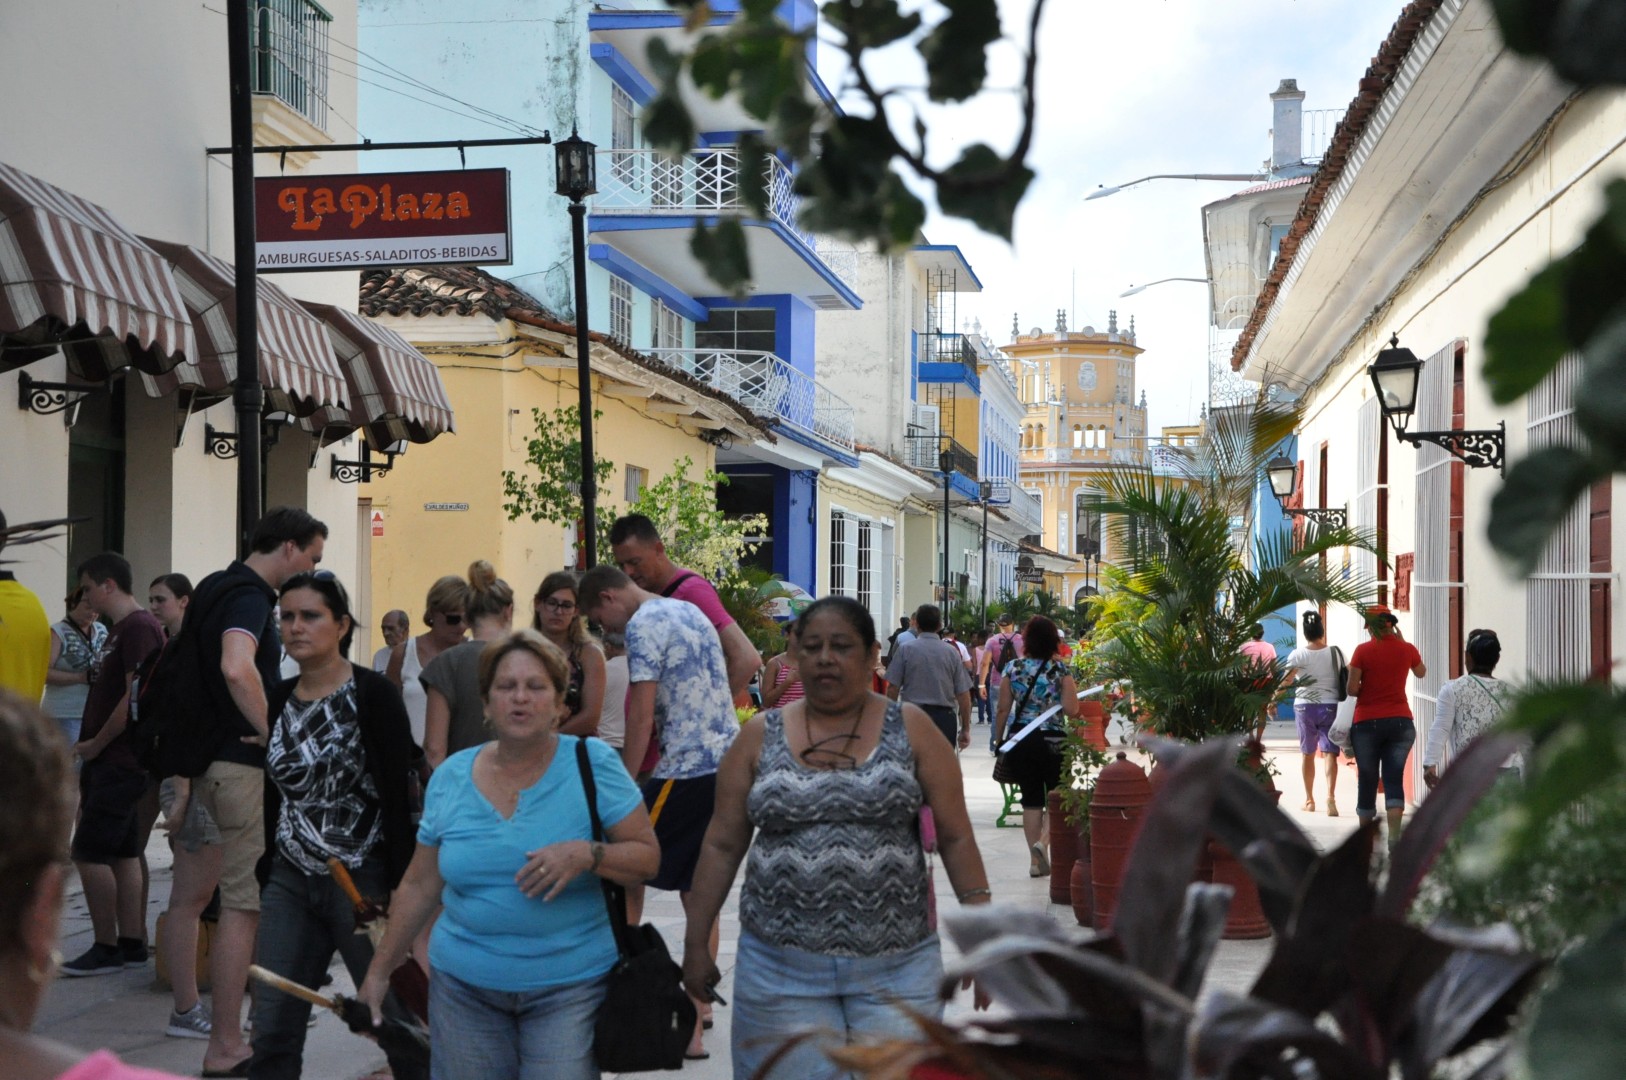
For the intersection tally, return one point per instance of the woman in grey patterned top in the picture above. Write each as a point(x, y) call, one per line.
point(837, 929)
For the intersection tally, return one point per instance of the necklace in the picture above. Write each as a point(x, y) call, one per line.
point(831, 757)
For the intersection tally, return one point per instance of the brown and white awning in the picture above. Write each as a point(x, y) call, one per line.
point(72, 277)
point(297, 367)
point(395, 393)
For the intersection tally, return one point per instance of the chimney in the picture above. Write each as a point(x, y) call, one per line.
point(1287, 125)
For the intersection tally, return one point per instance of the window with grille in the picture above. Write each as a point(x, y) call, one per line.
point(623, 120)
point(1557, 628)
point(620, 309)
point(736, 330)
point(637, 479)
point(667, 329)
point(865, 569)
point(1432, 583)
point(843, 571)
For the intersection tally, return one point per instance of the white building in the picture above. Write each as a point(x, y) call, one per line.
point(128, 137)
point(1460, 170)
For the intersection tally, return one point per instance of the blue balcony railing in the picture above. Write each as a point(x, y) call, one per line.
point(770, 387)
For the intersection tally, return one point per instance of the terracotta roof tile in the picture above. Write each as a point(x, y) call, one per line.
point(1378, 78)
point(469, 290)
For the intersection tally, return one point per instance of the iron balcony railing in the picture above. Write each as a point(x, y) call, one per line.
point(701, 182)
point(291, 55)
point(927, 449)
point(768, 386)
point(937, 348)
point(1025, 508)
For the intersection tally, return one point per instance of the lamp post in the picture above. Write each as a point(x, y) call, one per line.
point(1135, 290)
point(1395, 374)
point(1112, 189)
point(576, 176)
point(945, 461)
point(1282, 472)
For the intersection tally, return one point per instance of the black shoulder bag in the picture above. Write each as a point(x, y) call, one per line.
point(1003, 773)
point(647, 1018)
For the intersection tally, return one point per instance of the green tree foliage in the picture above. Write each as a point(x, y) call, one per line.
point(1185, 597)
point(697, 533)
point(847, 164)
point(550, 488)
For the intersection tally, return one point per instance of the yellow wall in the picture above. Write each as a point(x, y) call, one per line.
point(492, 400)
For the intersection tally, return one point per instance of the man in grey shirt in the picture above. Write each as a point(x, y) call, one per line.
point(928, 672)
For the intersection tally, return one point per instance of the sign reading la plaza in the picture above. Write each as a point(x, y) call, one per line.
point(357, 220)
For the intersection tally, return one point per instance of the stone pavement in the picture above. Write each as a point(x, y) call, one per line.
point(126, 1013)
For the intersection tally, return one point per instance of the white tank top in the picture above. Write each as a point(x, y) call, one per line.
point(412, 691)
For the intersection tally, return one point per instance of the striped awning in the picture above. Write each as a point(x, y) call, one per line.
point(297, 367)
point(395, 393)
point(72, 277)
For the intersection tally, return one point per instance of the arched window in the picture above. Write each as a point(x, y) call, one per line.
point(1078, 437)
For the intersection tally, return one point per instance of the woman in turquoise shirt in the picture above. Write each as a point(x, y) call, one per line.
point(520, 955)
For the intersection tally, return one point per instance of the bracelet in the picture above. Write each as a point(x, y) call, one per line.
point(972, 894)
point(598, 855)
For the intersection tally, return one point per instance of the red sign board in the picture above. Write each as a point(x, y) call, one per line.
point(381, 219)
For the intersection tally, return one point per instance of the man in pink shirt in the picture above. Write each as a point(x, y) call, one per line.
point(636, 546)
point(1260, 654)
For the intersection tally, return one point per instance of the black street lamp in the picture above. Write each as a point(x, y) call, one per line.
point(1395, 374)
point(576, 176)
point(1283, 473)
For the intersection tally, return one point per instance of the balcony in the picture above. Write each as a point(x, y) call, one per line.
point(768, 386)
point(644, 193)
point(291, 56)
point(947, 359)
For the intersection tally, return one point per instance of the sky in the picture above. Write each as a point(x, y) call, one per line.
point(1128, 89)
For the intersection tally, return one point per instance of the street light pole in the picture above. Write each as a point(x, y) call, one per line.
point(985, 489)
point(576, 179)
point(1113, 189)
point(248, 396)
point(945, 461)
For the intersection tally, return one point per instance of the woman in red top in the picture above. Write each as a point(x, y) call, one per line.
point(1383, 733)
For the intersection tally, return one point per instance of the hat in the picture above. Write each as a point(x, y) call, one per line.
point(1379, 611)
point(1005, 618)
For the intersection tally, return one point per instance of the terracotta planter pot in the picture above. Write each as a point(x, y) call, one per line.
point(1121, 795)
point(1080, 887)
point(1204, 870)
point(1092, 723)
point(1246, 917)
point(1063, 850)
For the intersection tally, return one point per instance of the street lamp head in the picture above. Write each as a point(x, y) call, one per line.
point(1282, 472)
point(1394, 377)
point(1133, 290)
point(576, 167)
point(1102, 192)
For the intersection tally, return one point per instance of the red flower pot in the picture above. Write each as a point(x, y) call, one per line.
point(1081, 889)
point(1063, 850)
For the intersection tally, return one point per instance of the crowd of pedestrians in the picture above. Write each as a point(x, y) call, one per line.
point(449, 779)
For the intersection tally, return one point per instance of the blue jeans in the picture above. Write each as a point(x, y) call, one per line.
point(481, 1034)
point(304, 920)
point(779, 992)
point(1381, 745)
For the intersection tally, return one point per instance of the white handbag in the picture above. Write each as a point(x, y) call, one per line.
point(1341, 727)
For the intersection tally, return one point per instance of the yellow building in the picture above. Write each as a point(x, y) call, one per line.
point(501, 355)
point(1081, 417)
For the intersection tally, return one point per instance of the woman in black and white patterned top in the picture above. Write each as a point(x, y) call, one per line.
point(336, 769)
point(1468, 705)
point(835, 911)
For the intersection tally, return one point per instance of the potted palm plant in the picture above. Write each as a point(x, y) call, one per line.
point(1189, 592)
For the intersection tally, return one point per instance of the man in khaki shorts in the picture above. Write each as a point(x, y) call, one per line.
point(241, 652)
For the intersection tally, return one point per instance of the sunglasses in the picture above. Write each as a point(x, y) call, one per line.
point(452, 618)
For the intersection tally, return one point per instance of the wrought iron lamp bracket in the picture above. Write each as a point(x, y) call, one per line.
point(1484, 448)
point(46, 398)
point(1334, 518)
point(219, 444)
point(361, 472)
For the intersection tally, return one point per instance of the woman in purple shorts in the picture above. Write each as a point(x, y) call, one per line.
point(1315, 706)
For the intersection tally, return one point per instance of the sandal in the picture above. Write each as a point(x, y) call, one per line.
point(1332, 807)
point(1041, 864)
point(1309, 806)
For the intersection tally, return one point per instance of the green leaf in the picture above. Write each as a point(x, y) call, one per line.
point(753, 173)
point(1526, 339)
point(1600, 394)
point(1538, 491)
point(955, 51)
point(1576, 1033)
point(721, 250)
point(1586, 39)
point(870, 24)
point(984, 188)
point(667, 124)
point(1525, 24)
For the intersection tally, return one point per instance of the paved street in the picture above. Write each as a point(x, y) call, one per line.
point(126, 1012)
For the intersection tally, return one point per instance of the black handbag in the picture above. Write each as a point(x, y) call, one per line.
point(1003, 772)
point(647, 1018)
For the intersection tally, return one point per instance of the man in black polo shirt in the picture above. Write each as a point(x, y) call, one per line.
point(241, 650)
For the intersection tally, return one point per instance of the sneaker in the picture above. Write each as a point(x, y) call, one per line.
point(192, 1024)
point(134, 951)
point(99, 959)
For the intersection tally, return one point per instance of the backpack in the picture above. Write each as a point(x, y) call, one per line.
point(1007, 651)
point(1340, 673)
point(174, 728)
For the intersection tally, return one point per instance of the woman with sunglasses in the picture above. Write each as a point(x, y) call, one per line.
point(837, 923)
point(455, 718)
point(336, 769)
point(443, 615)
point(559, 619)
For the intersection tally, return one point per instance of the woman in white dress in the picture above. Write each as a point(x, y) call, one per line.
point(1467, 705)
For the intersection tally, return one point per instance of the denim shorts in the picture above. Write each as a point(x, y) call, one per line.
point(779, 992)
point(481, 1034)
